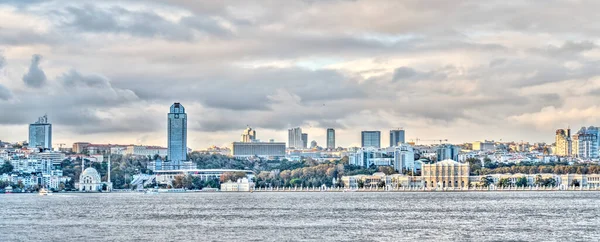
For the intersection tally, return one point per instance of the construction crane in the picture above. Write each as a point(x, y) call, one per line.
point(416, 140)
point(60, 145)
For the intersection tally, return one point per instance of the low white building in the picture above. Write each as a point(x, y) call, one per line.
point(241, 185)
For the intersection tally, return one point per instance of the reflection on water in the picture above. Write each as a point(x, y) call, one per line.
point(307, 216)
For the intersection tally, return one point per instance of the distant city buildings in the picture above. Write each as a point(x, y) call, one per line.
point(585, 143)
point(397, 137)
point(330, 138)
point(258, 149)
point(249, 135)
point(404, 158)
point(484, 146)
point(304, 140)
point(563, 142)
point(40, 134)
point(370, 139)
point(370, 156)
point(177, 135)
point(447, 152)
point(295, 140)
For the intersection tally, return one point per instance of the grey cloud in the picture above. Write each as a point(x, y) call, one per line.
point(90, 18)
point(5, 94)
point(2, 61)
point(404, 73)
point(35, 77)
point(96, 87)
point(237, 88)
point(569, 49)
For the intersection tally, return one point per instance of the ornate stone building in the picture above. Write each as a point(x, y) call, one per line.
point(447, 173)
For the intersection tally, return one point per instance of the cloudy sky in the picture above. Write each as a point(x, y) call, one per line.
point(461, 70)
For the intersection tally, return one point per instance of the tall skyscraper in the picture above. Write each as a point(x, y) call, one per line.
point(249, 135)
point(295, 138)
point(177, 133)
point(40, 133)
point(330, 138)
point(563, 142)
point(304, 140)
point(396, 137)
point(370, 139)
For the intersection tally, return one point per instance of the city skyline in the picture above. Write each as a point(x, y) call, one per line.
point(516, 77)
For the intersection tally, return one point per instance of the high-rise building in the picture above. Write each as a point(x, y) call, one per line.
point(404, 158)
point(177, 135)
point(249, 135)
point(396, 137)
point(304, 140)
point(585, 143)
point(447, 152)
point(370, 139)
point(40, 134)
point(295, 138)
point(563, 142)
point(330, 138)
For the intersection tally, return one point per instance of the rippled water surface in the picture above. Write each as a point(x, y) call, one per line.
point(458, 216)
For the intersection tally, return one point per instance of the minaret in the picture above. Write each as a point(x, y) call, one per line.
point(108, 179)
point(82, 165)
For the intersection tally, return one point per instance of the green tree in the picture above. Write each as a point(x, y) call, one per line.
point(503, 182)
point(6, 168)
point(521, 182)
point(296, 182)
point(485, 181)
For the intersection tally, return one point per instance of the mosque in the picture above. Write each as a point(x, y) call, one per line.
point(90, 180)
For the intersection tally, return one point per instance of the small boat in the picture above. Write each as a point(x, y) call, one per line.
point(151, 191)
point(8, 189)
point(44, 192)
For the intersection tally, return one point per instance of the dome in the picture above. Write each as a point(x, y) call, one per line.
point(90, 175)
point(90, 172)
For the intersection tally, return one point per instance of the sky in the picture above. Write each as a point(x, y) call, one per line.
point(462, 70)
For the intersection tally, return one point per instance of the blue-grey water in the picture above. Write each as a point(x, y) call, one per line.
point(314, 216)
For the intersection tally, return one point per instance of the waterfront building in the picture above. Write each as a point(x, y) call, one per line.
point(167, 176)
point(249, 135)
point(484, 146)
point(295, 138)
point(447, 152)
point(241, 185)
point(370, 139)
point(40, 134)
point(177, 135)
point(563, 142)
point(89, 181)
point(446, 173)
point(585, 143)
point(330, 138)
point(304, 140)
point(397, 137)
point(260, 149)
